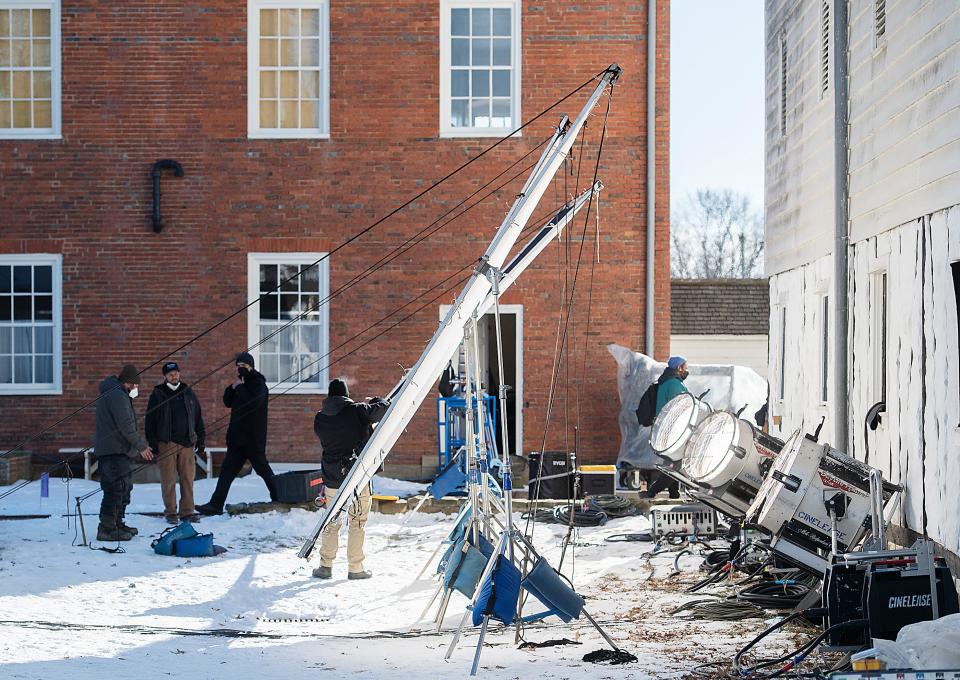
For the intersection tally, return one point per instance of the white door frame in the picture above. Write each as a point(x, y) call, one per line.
point(518, 388)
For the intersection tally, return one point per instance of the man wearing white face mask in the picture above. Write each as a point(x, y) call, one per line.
point(174, 428)
point(117, 442)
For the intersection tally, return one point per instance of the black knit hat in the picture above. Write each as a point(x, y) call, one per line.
point(338, 388)
point(130, 375)
point(245, 358)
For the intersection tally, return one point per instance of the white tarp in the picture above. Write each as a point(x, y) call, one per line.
point(731, 388)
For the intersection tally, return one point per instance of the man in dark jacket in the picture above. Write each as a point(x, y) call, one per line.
point(344, 426)
point(116, 443)
point(174, 429)
point(248, 399)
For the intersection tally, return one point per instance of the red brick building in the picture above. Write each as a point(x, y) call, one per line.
point(298, 124)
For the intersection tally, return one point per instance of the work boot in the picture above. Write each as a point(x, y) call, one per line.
point(171, 519)
point(110, 535)
point(130, 530)
point(192, 517)
point(356, 575)
point(209, 509)
point(323, 572)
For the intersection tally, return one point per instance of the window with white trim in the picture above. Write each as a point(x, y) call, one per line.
point(879, 21)
point(782, 368)
point(30, 324)
point(288, 46)
point(289, 322)
point(30, 69)
point(824, 348)
point(879, 320)
point(479, 67)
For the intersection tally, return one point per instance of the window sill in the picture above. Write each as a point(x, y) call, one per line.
point(29, 136)
point(287, 135)
point(31, 392)
point(460, 133)
point(287, 389)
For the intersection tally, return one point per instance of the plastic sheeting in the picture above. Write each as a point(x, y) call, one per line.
point(927, 645)
point(731, 387)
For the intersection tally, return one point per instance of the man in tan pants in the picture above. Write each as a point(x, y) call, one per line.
point(357, 514)
point(343, 426)
point(174, 429)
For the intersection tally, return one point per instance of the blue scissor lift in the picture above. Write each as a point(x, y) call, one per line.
point(452, 426)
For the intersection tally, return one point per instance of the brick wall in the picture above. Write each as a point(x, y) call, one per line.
point(144, 80)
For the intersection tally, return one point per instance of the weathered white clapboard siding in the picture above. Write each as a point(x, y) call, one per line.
point(904, 113)
point(904, 184)
point(896, 447)
point(800, 292)
point(918, 443)
point(734, 350)
point(904, 123)
point(799, 165)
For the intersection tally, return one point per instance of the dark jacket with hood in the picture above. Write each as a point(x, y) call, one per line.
point(174, 416)
point(116, 422)
point(669, 385)
point(344, 426)
point(248, 417)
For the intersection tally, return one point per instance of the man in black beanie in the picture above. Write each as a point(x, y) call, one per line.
point(116, 443)
point(344, 426)
point(247, 398)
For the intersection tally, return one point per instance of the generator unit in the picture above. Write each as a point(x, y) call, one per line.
point(889, 588)
point(689, 519)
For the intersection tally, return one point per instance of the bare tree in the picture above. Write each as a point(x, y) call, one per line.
point(716, 234)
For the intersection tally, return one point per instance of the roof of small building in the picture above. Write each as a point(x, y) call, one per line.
point(719, 306)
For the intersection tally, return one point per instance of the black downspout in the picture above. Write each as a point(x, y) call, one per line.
point(155, 173)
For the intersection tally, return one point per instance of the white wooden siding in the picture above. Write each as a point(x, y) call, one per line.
point(800, 292)
point(799, 172)
point(917, 445)
point(904, 114)
point(736, 350)
point(904, 125)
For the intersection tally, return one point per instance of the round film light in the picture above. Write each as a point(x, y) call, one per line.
point(712, 446)
point(675, 423)
point(783, 462)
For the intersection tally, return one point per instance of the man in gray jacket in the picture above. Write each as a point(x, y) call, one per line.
point(117, 442)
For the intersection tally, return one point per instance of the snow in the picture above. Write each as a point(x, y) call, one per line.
point(73, 612)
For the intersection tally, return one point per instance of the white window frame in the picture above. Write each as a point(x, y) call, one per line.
point(446, 129)
point(825, 338)
point(55, 387)
point(782, 353)
point(56, 73)
point(880, 322)
point(879, 22)
point(254, 260)
point(254, 131)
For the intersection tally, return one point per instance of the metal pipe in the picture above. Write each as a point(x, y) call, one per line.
point(841, 233)
point(155, 173)
point(649, 289)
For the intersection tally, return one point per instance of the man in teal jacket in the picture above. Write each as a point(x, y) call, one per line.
point(671, 381)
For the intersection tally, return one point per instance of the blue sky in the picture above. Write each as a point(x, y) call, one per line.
point(716, 97)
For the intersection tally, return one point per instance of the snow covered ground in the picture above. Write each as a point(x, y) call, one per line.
point(77, 613)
